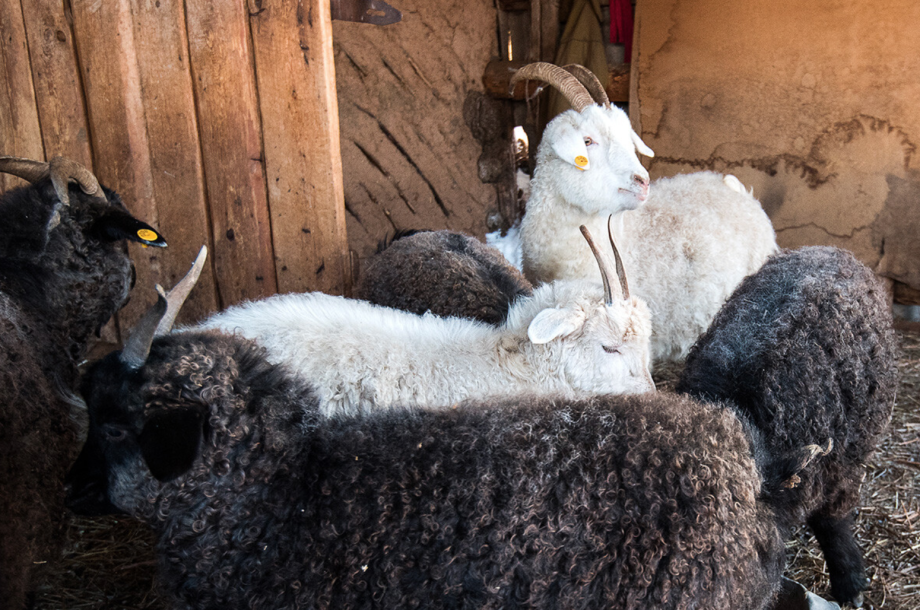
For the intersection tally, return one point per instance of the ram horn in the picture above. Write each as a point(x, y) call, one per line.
point(569, 86)
point(160, 317)
point(61, 171)
point(590, 81)
point(178, 294)
point(137, 347)
point(621, 271)
point(602, 263)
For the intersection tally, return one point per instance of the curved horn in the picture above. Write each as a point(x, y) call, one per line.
point(64, 170)
point(591, 82)
point(61, 171)
point(137, 347)
point(27, 169)
point(621, 271)
point(602, 263)
point(180, 292)
point(566, 83)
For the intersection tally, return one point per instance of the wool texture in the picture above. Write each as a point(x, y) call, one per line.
point(804, 350)
point(620, 502)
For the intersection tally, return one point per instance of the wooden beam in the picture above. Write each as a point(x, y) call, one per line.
point(497, 77)
point(176, 170)
point(20, 134)
point(58, 90)
point(292, 44)
point(544, 29)
point(229, 129)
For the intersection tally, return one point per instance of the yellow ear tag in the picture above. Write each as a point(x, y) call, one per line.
point(147, 235)
point(581, 162)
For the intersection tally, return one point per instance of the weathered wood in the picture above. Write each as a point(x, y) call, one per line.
point(58, 90)
point(514, 5)
point(497, 76)
point(20, 134)
point(229, 128)
point(176, 174)
point(544, 29)
point(105, 41)
point(292, 41)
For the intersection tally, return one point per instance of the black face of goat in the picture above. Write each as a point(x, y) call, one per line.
point(165, 440)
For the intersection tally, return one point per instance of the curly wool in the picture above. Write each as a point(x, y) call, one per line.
point(444, 272)
point(534, 502)
point(805, 350)
point(57, 288)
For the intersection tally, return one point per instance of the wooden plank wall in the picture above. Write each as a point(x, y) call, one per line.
point(216, 122)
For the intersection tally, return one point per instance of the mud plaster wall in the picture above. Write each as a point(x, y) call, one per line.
point(816, 105)
point(409, 160)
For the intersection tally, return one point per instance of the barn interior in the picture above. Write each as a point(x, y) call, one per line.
point(293, 143)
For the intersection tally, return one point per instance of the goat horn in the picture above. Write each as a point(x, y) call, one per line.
point(137, 347)
point(602, 263)
point(61, 171)
point(64, 170)
point(180, 292)
point(593, 84)
point(27, 169)
point(621, 271)
point(566, 83)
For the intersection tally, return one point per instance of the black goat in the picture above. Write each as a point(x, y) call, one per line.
point(260, 502)
point(444, 272)
point(62, 276)
point(805, 350)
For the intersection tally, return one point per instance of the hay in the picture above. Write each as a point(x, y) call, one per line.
point(109, 562)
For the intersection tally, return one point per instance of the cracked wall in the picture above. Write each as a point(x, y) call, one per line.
point(815, 105)
point(409, 160)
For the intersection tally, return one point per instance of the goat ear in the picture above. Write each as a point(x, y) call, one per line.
point(641, 146)
point(169, 441)
point(116, 225)
point(553, 323)
point(570, 147)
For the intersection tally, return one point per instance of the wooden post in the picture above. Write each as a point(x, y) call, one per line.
point(292, 43)
point(20, 134)
point(229, 126)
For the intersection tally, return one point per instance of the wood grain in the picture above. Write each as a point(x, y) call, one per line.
point(292, 43)
point(20, 134)
point(229, 129)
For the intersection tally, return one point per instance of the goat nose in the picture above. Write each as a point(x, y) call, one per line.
point(641, 180)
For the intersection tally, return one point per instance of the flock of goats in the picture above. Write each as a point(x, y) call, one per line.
point(457, 436)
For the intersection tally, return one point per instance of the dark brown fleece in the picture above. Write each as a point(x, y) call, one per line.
point(620, 502)
point(444, 272)
point(805, 350)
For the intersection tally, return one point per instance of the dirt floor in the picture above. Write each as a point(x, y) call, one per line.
point(109, 562)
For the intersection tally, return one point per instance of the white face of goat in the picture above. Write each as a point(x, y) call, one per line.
point(591, 157)
point(599, 348)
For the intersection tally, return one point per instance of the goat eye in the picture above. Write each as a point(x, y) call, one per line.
point(588, 141)
point(114, 433)
point(610, 350)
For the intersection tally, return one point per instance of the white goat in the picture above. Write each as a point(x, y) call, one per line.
point(691, 243)
point(571, 337)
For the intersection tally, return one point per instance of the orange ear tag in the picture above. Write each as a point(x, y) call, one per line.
point(581, 162)
point(147, 235)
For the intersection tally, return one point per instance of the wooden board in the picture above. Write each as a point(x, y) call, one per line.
point(176, 172)
point(58, 89)
point(20, 134)
point(105, 44)
point(229, 127)
point(292, 43)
